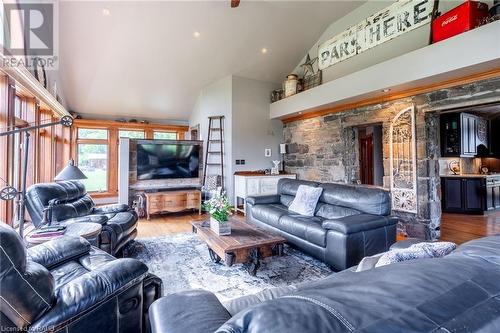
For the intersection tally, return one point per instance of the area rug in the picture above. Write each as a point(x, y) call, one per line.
point(182, 262)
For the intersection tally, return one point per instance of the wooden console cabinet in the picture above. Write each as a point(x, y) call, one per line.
point(248, 183)
point(172, 201)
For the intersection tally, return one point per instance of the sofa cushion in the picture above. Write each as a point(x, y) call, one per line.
point(369, 200)
point(328, 211)
point(269, 214)
point(67, 272)
point(77, 208)
point(290, 186)
point(356, 223)
point(304, 227)
point(286, 199)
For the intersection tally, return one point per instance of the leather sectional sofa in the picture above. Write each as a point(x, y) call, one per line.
point(350, 222)
point(65, 285)
point(456, 293)
point(72, 203)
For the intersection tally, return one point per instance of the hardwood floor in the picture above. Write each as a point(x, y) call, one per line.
point(459, 228)
point(167, 224)
point(455, 228)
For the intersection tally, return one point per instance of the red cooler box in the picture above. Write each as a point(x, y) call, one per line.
point(463, 18)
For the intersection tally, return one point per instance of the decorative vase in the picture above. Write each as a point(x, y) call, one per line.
point(221, 229)
point(291, 84)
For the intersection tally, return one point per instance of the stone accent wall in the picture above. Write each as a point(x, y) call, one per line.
point(325, 148)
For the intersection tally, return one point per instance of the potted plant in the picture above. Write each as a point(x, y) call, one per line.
point(219, 209)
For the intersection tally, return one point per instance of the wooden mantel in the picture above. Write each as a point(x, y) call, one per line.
point(468, 57)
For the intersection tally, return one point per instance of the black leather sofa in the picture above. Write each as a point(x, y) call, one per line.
point(72, 204)
point(65, 285)
point(457, 293)
point(350, 222)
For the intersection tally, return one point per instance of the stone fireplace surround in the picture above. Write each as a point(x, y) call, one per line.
point(325, 148)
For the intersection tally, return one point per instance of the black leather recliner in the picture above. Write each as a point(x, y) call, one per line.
point(350, 222)
point(74, 204)
point(65, 285)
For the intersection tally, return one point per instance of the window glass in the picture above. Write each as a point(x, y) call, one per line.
point(131, 134)
point(92, 133)
point(93, 161)
point(165, 136)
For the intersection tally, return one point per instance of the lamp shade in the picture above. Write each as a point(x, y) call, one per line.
point(70, 172)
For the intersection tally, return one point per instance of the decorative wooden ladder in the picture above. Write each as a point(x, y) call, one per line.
point(211, 145)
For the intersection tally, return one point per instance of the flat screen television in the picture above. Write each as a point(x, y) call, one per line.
point(168, 160)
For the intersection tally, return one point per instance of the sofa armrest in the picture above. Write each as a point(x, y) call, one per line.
point(263, 200)
point(93, 218)
point(111, 209)
point(356, 223)
point(59, 250)
point(193, 311)
point(90, 290)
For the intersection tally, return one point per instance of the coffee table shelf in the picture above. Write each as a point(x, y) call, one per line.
point(247, 244)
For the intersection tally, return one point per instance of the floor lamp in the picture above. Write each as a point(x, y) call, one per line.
point(10, 192)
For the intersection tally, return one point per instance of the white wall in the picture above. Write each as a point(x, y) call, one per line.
point(216, 100)
point(410, 41)
point(253, 131)
point(248, 129)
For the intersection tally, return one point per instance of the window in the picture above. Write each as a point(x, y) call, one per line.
point(92, 158)
point(131, 134)
point(89, 133)
point(93, 161)
point(165, 135)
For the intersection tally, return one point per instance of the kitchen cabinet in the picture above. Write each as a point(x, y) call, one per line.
point(462, 133)
point(493, 193)
point(463, 194)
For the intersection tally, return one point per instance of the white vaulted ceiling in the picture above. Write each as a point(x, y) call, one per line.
point(142, 59)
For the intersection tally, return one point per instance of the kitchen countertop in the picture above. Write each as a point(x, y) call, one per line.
point(471, 175)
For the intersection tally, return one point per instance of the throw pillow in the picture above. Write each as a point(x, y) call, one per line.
point(417, 251)
point(306, 199)
point(368, 262)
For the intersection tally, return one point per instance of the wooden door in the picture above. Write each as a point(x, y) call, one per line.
point(366, 159)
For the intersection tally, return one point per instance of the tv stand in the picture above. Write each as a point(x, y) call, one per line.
point(172, 201)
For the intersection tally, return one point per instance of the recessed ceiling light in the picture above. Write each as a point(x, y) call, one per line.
point(263, 50)
point(386, 90)
point(196, 34)
point(300, 112)
point(106, 12)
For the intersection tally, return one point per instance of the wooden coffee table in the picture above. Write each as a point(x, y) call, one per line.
point(247, 244)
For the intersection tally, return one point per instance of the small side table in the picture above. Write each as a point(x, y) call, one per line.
point(88, 230)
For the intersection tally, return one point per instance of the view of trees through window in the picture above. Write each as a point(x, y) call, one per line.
point(93, 158)
point(131, 134)
point(93, 161)
point(92, 133)
point(165, 136)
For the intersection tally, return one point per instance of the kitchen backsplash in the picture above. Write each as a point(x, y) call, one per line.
point(468, 165)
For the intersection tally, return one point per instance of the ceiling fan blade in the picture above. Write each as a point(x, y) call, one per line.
point(235, 3)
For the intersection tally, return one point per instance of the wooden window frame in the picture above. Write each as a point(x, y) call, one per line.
point(113, 128)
